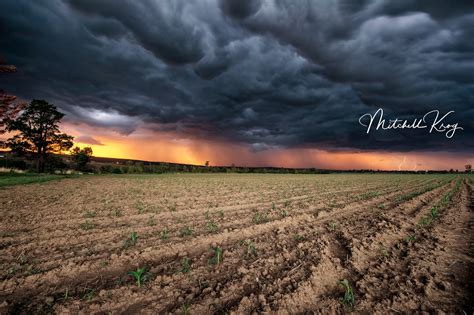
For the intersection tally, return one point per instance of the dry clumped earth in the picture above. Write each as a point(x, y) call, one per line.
point(238, 244)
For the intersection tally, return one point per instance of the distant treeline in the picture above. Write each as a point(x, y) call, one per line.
point(63, 164)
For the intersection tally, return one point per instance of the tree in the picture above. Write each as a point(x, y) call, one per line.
point(81, 157)
point(10, 107)
point(38, 132)
point(468, 168)
point(206, 164)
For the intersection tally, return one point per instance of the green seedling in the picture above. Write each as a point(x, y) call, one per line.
point(87, 225)
point(434, 212)
point(221, 213)
point(186, 231)
point(138, 275)
point(89, 214)
point(185, 265)
point(424, 221)
point(12, 270)
point(206, 215)
point(283, 213)
point(384, 251)
point(89, 295)
point(132, 241)
point(66, 295)
point(410, 239)
point(446, 199)
point(164, 235)
point(185, 309)
point(273, 206)
point(104, 264)
point(297, 237)
point(172, 208)
point(286, 203)
point(348, 300)
point(212, 226)
point(259, 217)
point(118, 213)
point(141, 209)
point(216, 259)
point(22, 259)
point(373, 194)
point(250, 249)
point(381, 206)
point(332, 226)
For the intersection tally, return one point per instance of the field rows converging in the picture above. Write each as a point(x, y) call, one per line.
point(240, 244)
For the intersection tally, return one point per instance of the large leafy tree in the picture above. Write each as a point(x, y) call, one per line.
point(10, 107)
point(81, 157)
point(38, 132)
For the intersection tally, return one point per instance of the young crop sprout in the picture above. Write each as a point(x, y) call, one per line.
point(133, 238)
point(410, 239)
point(384, 251)
point(89, 214)
point(297, 237)
point(87, 225)
point(216, 259)
point(185, 265)
point(132, 241)
point(348, 299)
point(212, 226)
point(89, 295)
point(186, 231)
point(434, 212)
point(66, 294)
point(424, 221)
point(332, 226)
point(185, 309)
point(164, 235)
point(250, 249)
point(259, 217)
point(138, 275)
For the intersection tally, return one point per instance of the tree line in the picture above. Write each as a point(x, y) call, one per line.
point(35, 128)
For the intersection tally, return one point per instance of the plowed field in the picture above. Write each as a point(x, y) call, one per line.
point(238, 244)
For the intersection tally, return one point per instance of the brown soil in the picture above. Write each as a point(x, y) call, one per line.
point(403, 242)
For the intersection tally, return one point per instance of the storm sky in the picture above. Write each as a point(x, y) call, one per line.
point(267, 75)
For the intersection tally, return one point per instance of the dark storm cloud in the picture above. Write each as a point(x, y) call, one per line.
point(88, 140)
point(271, 74)
point(240, 9)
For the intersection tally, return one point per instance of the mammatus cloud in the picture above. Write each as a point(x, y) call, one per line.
point(268, 74)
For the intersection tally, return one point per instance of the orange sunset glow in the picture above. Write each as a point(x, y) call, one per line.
point(168, 147)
